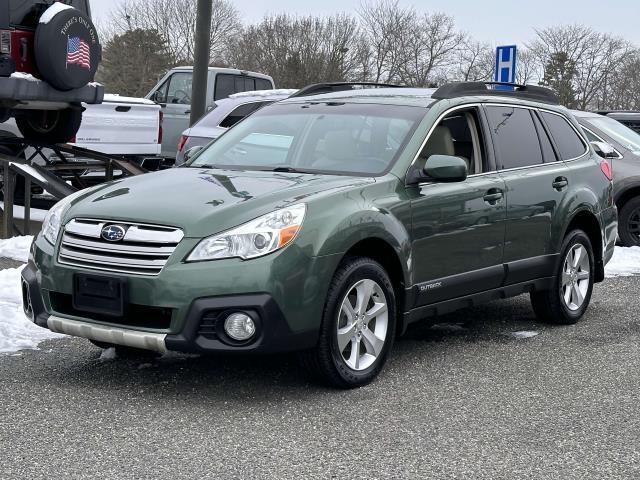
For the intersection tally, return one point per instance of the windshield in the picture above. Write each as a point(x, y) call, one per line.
point(618, 132)
point(335, 138)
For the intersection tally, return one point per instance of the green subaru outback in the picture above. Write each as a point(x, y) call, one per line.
point(328, 223)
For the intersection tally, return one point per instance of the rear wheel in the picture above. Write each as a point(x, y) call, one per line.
point(569, 298)
point(358, 325)
point(50, 126)
point(629, 223)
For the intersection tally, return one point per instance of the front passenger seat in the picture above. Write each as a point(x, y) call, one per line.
point(440, 143)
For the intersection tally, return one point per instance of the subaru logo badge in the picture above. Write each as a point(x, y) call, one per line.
point(113, 233)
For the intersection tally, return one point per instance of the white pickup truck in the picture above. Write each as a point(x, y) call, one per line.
point(131, 127)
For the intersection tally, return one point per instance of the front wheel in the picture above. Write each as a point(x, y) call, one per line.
point(566, 302)
point(358, 325)
point(629, 223)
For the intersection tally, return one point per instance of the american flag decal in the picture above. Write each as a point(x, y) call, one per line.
point(78, 53)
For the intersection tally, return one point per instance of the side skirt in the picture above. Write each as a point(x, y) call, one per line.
point(448, 306)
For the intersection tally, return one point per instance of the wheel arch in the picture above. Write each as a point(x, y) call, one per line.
point(627, 194)
point(588, 222)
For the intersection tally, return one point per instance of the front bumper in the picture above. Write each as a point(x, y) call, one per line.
point(284, 295)
point(17, 90)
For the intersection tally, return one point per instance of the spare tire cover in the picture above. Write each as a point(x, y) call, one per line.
point(67, 49)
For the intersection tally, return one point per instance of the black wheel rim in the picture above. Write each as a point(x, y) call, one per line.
point(633, 225)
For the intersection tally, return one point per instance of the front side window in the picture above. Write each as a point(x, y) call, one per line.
point(569, 143)
point(515, 137)
point(329, 138)
point(176, 89)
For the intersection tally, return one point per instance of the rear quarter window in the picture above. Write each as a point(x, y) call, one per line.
point(568, 142)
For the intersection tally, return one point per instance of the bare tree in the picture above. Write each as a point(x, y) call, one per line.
point(175, 21)
point(594, 55)
point(297, 51)
point(475, 62)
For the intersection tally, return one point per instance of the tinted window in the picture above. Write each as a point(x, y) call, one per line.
point(345, 138)
point(567, 140)
point(590, 136)
point(225, 86)
point(515, 137)
point(545, 143)
point(262, 84)
point(239, 113)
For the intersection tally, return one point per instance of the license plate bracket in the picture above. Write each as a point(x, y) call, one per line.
point(100, 294)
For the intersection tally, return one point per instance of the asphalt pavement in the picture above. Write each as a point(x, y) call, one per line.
point(466, 399)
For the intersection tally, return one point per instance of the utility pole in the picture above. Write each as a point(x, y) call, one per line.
point(201, 60)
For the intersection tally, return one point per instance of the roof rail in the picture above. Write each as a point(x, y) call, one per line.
point(329, 87)
point(528, 92)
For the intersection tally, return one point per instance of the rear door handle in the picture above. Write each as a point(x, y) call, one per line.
point(560, 183)
point(493, 196)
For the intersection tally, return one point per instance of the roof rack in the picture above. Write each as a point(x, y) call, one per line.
point(329, 87)
point(528, 92)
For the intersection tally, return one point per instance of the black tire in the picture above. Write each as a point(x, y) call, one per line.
point(629, 223)
point(325, 361)
point(67, 50)
point(126, 352)
point(50, 126)
point(550, 306)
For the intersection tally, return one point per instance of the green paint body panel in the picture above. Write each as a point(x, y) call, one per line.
point(437, 230)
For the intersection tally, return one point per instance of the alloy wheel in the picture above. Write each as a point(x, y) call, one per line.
point(576, 277)
point(633, 224)
point(363, 322)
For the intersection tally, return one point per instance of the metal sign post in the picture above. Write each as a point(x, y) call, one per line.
point(506, 62)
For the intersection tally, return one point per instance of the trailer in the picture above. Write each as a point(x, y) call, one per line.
point(29, 166)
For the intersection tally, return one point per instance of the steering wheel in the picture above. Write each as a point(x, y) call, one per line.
point(180, 96)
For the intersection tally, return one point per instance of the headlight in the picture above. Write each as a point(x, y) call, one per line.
point(53, 219)
point(259, 237)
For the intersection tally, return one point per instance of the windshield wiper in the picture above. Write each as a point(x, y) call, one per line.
point(287, 170)
point(204, 166)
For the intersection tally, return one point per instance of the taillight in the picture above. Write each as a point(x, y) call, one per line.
point(160, 126)
point(182, 141)
point(605, 166)
point(72, 140)
point(5, 42)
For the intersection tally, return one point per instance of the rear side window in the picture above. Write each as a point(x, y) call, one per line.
point(225, 86)
point(240, 112)
point(514, 136)
point(262, 84)
point(567, 140)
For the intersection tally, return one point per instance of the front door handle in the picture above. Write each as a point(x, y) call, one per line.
point(560, 183)
point(493, 196)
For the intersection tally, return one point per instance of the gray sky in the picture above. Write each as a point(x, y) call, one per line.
point(494, 21)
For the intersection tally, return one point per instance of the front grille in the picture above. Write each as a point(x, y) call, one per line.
point(135, 315)
point(144, 250)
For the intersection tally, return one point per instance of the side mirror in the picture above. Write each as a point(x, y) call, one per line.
point(604, 150)
point(157, 97)
point(446, 168)
point(192, 152)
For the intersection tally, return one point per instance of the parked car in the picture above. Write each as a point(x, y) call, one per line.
point(173, 93)
point(629, 118)
point(325, 224)
point(49, 54)
point(626, 169)
point(225, 114)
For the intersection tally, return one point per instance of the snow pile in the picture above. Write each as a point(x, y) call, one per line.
point(16, 248)
point(24, 76)
point(52, 11)
point(17, 332)
point(625, 263)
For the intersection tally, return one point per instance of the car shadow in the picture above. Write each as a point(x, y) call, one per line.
point(265, 378)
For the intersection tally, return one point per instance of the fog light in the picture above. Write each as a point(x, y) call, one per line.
point(239, 326)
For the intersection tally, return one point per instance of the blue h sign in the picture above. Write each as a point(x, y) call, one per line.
point(506, 57)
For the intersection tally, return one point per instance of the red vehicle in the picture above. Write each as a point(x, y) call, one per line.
point(49, 54)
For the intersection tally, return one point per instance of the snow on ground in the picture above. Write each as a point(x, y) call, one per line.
point(17, 332)
point(625, 263)
point(16, 248)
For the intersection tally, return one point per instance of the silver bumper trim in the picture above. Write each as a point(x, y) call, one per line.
point(101, 333)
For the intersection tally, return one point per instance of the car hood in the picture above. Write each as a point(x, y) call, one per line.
point(203, 201)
